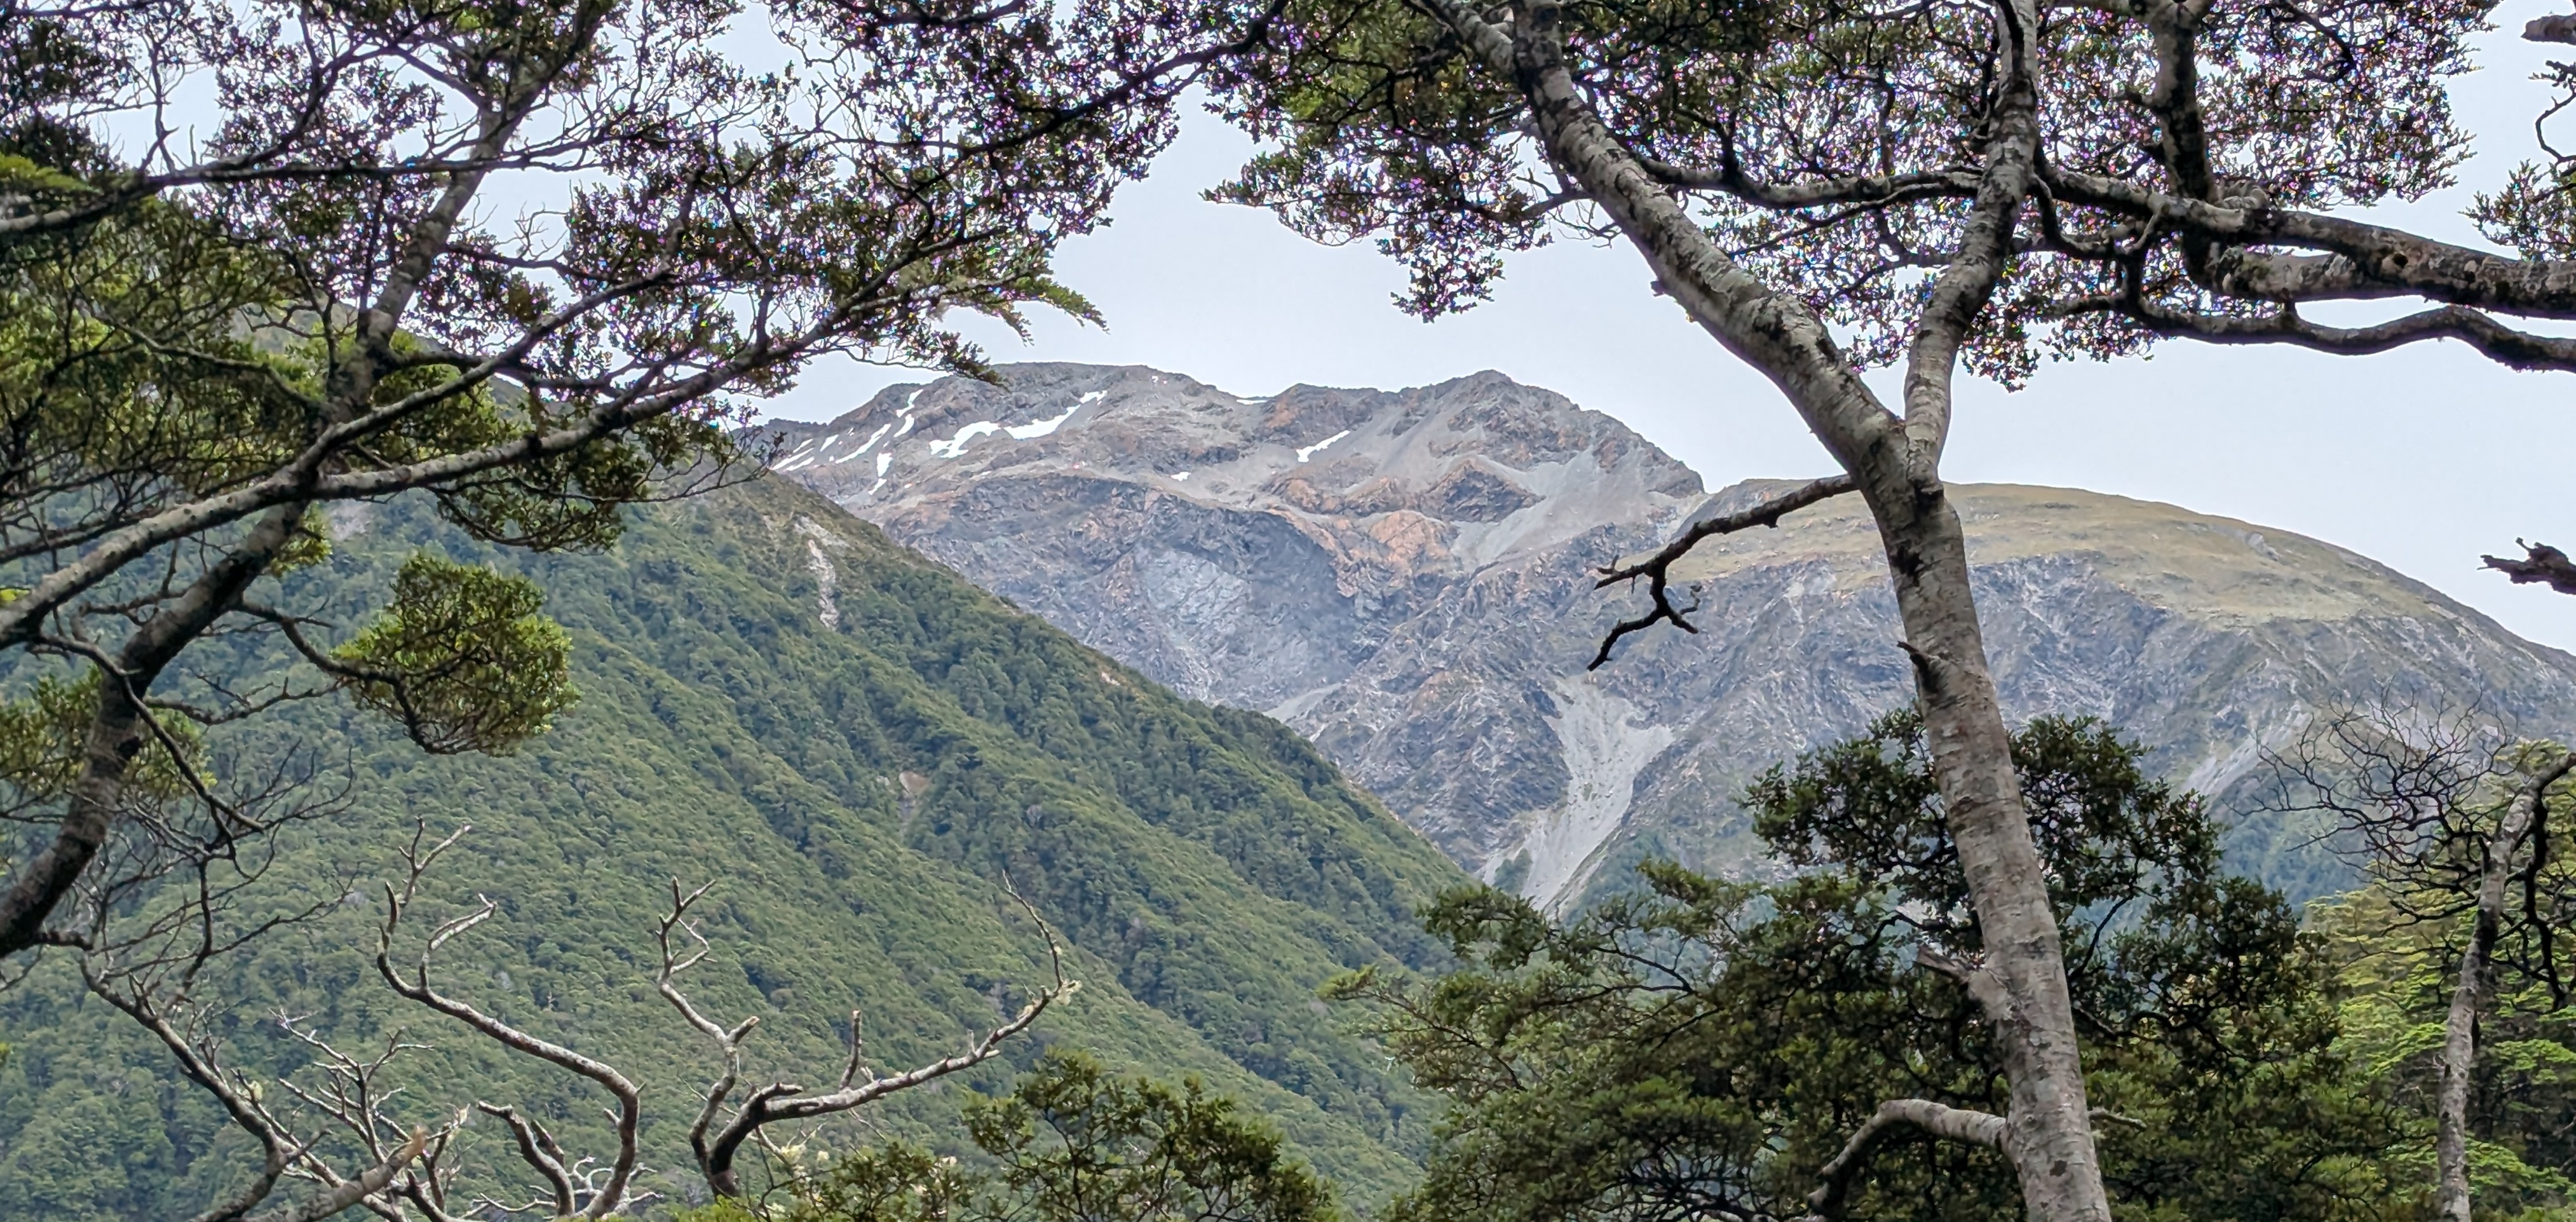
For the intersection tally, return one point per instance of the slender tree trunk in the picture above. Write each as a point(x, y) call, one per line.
point(2021, 985)
point(119, 728)
point(2468, 995)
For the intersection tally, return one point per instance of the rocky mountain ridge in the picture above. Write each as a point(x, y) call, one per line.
point(1406, 578)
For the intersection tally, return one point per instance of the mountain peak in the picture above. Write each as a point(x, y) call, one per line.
point(1407, 578)
point(1445, 478)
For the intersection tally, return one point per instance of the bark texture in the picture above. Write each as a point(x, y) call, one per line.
point(2022, 982)
point(2468, 995)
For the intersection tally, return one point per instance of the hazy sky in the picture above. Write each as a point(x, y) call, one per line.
point(2421, 459)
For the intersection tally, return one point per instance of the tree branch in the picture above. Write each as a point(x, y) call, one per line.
point(2540, 563)
point(1829, 1200)
point(341, 1196)
point(1657, 568)
point(784, 1100)
point(2497, 342)
point(115, 734)
point(1871, 190)
point(537, 1148)
point(1967, 282)
point(2361, 261)
point(611, 1196)
point(1775, 332)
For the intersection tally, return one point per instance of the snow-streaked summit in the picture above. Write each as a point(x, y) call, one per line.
point(1407, 578)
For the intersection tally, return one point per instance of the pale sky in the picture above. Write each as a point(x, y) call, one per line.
point(2421, 459)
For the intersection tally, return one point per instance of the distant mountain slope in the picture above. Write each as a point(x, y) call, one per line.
point(860, 748)
point(1406, 578)
point(1251, 551)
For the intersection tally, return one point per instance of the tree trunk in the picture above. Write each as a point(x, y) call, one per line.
point(119, 728)
point(2021, 985)
point(2468, 995)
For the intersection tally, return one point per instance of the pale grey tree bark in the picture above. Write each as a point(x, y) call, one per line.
point(2469, 993)
point(1893, 461)
point(1939, 1120)
point(333, 1123)
point(716, 1138)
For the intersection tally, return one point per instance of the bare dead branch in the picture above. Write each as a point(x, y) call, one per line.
point(339, 1197)
point(1657, 568)
point(785, 1101)
point(348, 1100)
point(413, 984)
point(577, 1188)
point(2540, 563)
point(538, 1149)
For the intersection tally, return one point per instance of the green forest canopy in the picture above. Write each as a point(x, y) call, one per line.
point(859, 793)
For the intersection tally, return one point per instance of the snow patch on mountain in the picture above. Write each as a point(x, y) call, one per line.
point(1305, 453)
point(1031, 432)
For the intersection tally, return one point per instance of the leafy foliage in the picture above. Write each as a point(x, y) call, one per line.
point(462, 659)
point(41, 739)
point(1828, 148)
point(530, 258)
point(858, 794)
point(1702, 1048)
point(2399, 974)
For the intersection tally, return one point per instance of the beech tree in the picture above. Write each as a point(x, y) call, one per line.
point(1807, 1048)
point(2450, 819)
point(1825, 186)
point(531, 258)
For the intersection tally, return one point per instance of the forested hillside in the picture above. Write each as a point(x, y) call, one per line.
point(858, 749)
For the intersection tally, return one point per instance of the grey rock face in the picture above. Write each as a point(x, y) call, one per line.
point(1406, 577)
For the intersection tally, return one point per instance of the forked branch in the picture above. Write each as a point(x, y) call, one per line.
point(728, 1118)
point(607, 1196)
point(718, 1147)
point(1657, 568)
point(143, 952)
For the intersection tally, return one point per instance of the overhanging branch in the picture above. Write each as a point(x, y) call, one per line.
point(2540, 563)
point(2499, 343)
point(2357, 261)
point(1868, 189)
